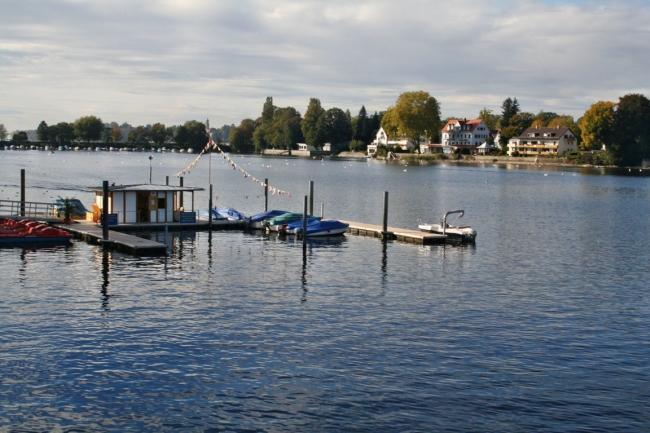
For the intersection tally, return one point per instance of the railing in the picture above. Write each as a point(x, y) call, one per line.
point(29, 209)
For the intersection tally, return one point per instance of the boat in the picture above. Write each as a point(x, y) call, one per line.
point(227, 213)
point(257, 221)
point(291, 228)
point(276, 224)
point(322, 228)
point(76, 207)
point(464, 234)
point(30, 233)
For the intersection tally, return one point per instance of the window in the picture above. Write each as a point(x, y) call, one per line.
point(162, 202)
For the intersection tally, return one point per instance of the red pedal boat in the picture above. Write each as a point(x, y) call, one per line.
point(18, 233)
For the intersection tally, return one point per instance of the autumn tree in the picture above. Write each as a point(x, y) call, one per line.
point(417, 115)
point(543, 118)
point(490, 119)
point(567, 121)
point(596, 125)
point(390, 122)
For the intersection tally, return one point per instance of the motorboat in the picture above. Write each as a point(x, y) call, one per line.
point(277, 223)
point(257, 221)
point(75, 206)
point(322, 228)
point(28, 233)
point(464, 234)
point(227, 213)
point(291, 228)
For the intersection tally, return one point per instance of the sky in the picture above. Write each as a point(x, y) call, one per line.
point(169, 61)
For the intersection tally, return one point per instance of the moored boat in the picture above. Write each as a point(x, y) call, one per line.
point(227, 213)
point(257, 221)
point(277, 223)
point(464, 234)
point(322, 228)
point(31, 233)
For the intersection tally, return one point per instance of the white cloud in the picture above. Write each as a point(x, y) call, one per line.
point(173, 60)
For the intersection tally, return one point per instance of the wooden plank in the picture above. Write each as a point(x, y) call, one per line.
point(123, 241)
point(403, 235)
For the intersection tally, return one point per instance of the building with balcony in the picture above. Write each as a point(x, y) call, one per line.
point(381, 139)
point(464, 134)
point(543, 142)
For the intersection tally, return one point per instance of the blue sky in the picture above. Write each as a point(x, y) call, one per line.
point(176, 60)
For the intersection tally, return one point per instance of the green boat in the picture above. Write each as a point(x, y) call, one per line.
point(276, 223)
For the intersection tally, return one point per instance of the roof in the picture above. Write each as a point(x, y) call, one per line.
point(471, 124)
point(558, 132)
point(147, 187)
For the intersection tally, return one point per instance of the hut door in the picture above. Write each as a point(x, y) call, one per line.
point(142, 206)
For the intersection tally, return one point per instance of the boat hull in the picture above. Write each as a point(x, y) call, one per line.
point(464, 234)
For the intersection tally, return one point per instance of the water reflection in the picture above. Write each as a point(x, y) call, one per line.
point(106, 258)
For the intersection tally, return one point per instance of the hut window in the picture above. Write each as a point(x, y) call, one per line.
point(162, 202)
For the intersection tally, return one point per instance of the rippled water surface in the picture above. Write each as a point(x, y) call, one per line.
point(544, 325)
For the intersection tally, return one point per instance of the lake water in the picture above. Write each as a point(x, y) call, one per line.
point(543, 325)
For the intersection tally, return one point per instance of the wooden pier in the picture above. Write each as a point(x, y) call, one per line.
point(121, 241)
point(403, 235)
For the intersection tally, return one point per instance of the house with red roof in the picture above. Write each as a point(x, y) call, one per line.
point(464, 134)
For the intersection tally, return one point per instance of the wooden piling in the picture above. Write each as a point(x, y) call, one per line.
point(166, 180)
point(385, 226)
point(22, 192)
point(266, 194)
point(311, 197)
point(210, 208)
point(304, 227)
point(105, 211)
point(180, 202)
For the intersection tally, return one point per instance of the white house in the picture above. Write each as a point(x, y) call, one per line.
point(543, 142)
point(464, 134)
point(146, 203)
point(381, 139)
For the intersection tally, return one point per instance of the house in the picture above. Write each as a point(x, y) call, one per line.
point(146, 203)
point(304, 147)
point(381, 139)
point(543, 142)
point(464, 134)
point(434, 148)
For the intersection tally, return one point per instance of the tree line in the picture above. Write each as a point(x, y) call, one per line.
point(621, 130)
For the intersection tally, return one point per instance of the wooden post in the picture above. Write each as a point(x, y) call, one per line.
point(181, 200)
point(266, 194)
point(304, 227)
point(311, 197)
point(166, 180)
point(385, 226)
point(210, 208)
point(322, 210)
point(22, 192)
point(105, 210)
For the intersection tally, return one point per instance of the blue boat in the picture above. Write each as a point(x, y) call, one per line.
point(297, 224)
point(227, 213)
point(323, 228)
point(257, 220)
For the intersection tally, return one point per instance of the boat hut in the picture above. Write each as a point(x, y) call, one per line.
point(146, 204)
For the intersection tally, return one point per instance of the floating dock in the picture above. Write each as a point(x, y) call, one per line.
point(120, 241)
point(404, 235)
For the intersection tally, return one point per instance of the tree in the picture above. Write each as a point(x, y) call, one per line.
point(63, 133)
point(309, 125)
point(19, 137)
point(336, 126)
point(418, 115)
point(390, 122)
point(241, 137)
point(361, 132)
point(631, 135)
point(567, 121)
point(490, 119)
point(267, 110)
point(3, 132)
point(116, 134)
point(517, 125)
point(509, 108)
point(191, 134)
point(543, 118)
point(597, 125)
point(284, 131)
point(139, 134)
point(158, 134)
point(88, 128)
point(43, 131)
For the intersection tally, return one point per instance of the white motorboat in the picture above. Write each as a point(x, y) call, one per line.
point(464, 234)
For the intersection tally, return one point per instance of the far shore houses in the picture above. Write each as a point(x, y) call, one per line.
point(473, 136)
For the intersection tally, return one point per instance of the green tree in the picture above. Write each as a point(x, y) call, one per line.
point(567, 121)
point(19, 137)
point(158, 134)
point(361, 127)
point(509, 108)
point(597, 125)
point(517, 125)
point(336, 126)
point(418, 115)
point(284, 131)
point(116, 134)
point(63, 133)
point(631, 136)
point(88, 128)
point(390, 123)
point(309, 125)
point(241, 137)
point(191, 134)
point(43, 131)
point(543, 118)
point(137, 135)
point(3, 132)
point(490, 119)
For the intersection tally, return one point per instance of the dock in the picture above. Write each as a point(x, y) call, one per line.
point(121, 241)
point(400, 234)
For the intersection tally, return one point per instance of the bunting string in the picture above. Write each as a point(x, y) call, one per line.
point(212, 145)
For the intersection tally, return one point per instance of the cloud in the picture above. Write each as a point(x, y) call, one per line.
point(174, 60)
